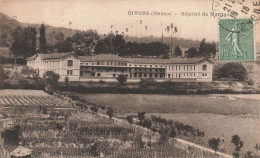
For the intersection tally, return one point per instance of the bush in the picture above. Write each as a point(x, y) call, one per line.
point(146, 83)
point(214, 143)
point(51, 78)
point(110, 113)
point(130, 119)
point(122, 78)
point(232, 70)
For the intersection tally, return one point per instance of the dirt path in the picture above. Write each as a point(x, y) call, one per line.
point(177, 139)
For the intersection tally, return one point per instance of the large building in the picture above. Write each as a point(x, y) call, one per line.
point(107, 66)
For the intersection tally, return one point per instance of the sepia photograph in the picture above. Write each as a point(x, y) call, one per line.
point(129, 79)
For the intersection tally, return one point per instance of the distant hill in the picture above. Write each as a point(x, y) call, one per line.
point(8, 24)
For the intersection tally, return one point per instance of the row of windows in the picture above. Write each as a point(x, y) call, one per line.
point(112, 63)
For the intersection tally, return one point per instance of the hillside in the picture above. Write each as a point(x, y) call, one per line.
point(8, 24)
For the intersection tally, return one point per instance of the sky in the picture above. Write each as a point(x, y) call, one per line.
point(101, 14)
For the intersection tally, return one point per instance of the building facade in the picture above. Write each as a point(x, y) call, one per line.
point(107, 66)
point(64, 64)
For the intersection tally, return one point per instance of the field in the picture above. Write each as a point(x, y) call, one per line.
point(216, 115)
point(53, 127)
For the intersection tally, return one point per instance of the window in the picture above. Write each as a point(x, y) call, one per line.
point(81, 63)
point(97, 63)
point(114, 75)
point(150, 75)
point(145, 75)
point(86, 63)
point(140, 74)
point(69, 72)
point(151, 66)
point(156, 75)
point(194, 67)
point(204, 67)
point(70, 63)
point(98, 74)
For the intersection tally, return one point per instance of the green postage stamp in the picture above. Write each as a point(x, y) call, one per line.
point(236, 40)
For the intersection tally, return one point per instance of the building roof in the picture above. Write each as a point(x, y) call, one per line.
point(105, 57)
point(50, 56)
point(167, 61)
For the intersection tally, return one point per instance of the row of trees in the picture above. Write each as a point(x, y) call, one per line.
point(24, 41)
point(89, 42)
point(205, 50)
point(236, 140)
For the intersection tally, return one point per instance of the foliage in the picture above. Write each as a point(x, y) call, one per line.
point(232, 70)
point(178, 51)
point(51, 78)
point(42, 40)
point(93, 149)
point(207, 49)
point(237, 142)
point(85, 42)
point(191, 52)
point(94, 109)
point(11, 136)
point(110, 113)
point(29, 72)
point(214, 143)
point(3, 75)
point(147, 82)
point(24, 41)
point(130, 119)
point(64, 45)
point(164, 135)
point(122, 78)
point(141, 116)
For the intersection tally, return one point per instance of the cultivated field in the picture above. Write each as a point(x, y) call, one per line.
point(217, 115)
point(53, 127)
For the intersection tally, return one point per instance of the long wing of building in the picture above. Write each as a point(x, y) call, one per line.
point(107, 66)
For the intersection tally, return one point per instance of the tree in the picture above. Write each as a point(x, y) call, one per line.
point(122, 78)
point(42, 40)
point(24, 42)
point(119, 44)
point(235, 70)
point(141, 116)
point(178, 51)
point(207, 49)
point(129, 119)
point(110, 113)
point(51, 78)
point(214, 143)
point(237, 142)
point(3, 75)
point(29, 72)
point(85, 42)
point(64, 46)
point(191, 53)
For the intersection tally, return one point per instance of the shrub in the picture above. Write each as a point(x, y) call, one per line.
point(122, 78)
point(146, 83)
point(235, 70)
point(214, 143)
point(129, 119)
point(110, 113)
point(51, 78)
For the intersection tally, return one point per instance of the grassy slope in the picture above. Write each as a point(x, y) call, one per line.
point(132, 103)
point(203, 112)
